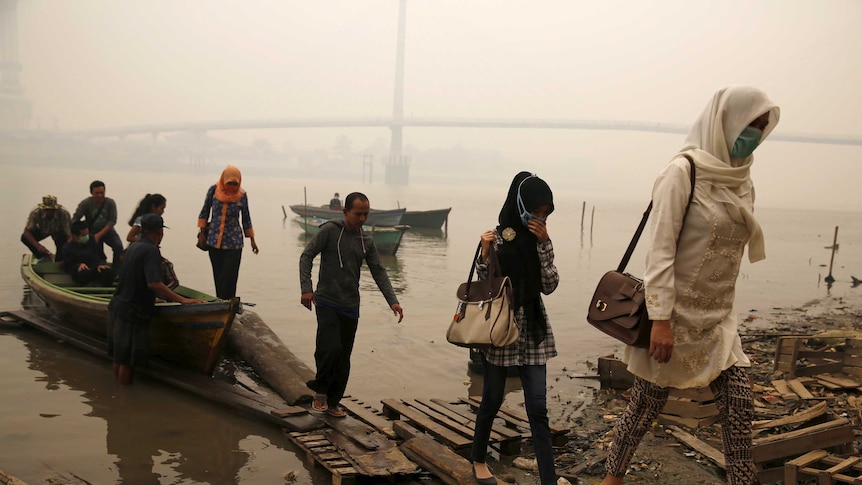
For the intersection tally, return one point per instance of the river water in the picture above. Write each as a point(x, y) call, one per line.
point(61, 413)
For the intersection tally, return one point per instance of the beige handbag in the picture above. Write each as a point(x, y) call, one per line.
point(484, 316)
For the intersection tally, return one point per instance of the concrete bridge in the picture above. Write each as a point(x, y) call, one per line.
point(202, 127)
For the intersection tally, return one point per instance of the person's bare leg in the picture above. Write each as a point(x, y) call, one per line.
point(612, 480)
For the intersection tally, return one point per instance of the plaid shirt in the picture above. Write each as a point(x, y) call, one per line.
point(526, 351)
point(43, 226)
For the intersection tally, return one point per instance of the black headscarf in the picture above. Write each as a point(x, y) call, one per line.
point(519, 258)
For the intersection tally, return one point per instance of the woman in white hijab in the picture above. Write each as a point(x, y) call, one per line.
point(690, 280)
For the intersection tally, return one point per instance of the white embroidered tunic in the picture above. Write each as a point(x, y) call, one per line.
point(694, 286)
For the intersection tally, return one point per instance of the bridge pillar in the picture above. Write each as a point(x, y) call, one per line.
point(15, 110)
point(398, 171)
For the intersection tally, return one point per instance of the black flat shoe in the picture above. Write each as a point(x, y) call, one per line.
point(484, 481)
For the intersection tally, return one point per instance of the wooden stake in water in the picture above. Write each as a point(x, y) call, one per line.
point(305, 202)
point(583, 211)
point(829, 279)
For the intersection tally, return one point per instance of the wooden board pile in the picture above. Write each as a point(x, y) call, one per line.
point(807, 398)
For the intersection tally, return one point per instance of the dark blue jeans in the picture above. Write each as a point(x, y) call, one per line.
point(534, 382)
point(112, 239)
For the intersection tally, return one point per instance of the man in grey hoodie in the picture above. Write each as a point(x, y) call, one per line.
point(342, 246)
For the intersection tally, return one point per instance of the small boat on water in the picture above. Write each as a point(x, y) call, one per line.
point(376, 217)
point(433, 218)
point(386, 239)
point(192, 336)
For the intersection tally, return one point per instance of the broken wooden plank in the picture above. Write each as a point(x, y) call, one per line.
point(515, 415)
point(572, 473)
point(509, 443)
point(699, 446)
point(800, 389)
point(502, 430)
point(841, 382)
point(378, 463)
point(819, 369)
point(670, 419)
point(832, 433)
point(792, 467)
point(420, 420)
point(784, 390)
point(441, 461)
point(689, 409)
point(321, 451)
point(367, 415)
point(284, 412)
point(802, 416)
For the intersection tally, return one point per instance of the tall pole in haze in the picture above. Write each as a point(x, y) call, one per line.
point(398, 170)
point(14, 109)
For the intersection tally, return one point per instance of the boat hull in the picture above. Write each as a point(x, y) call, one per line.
point(387, 240)
point(192, 336)
point(376, 217)
point(433, 218)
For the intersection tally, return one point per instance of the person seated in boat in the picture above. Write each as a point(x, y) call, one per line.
point(100, 212)
point(48, 219)
point(335, 202)
point(133, 304)
point(152, 204)
point(83, 260)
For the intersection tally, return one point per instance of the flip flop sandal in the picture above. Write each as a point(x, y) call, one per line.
point(319, 406)
point(337, 412)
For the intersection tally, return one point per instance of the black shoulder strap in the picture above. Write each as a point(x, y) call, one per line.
point(642, 225)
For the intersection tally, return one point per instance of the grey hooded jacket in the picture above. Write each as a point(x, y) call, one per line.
point(341, 255)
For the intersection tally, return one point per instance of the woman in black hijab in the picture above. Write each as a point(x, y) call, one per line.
point(527, 257)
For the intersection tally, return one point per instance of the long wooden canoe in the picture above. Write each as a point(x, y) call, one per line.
point(192, 336)
point(376, 217)
point(387, 240)
point(433, 218)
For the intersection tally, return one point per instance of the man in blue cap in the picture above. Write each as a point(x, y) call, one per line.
point(133, 304)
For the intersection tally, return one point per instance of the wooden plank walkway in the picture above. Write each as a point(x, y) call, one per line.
point(454, 422)
point(365, 446)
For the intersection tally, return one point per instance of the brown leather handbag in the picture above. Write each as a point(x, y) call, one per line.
point(618, 307)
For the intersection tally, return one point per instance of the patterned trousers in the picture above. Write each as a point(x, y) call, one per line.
point(734, 400)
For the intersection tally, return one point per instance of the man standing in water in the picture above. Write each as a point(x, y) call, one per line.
point(343, 247)
point(133, 304)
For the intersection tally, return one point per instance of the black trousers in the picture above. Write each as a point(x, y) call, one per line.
point(59, 242)
point(225, 263)
point(335, 336)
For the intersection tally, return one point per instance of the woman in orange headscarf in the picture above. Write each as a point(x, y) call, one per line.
point(226, 216)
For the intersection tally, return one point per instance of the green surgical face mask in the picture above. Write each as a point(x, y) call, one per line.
point(747, 142)
point(84, 239)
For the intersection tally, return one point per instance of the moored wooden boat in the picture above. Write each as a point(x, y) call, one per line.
point(386, 239)
point(192, 336)
point(376, 217)
point(433, 218)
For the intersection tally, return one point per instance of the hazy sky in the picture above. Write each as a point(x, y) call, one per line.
point(100, 63)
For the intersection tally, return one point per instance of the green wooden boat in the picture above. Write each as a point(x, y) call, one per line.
point(192, 336)
point(386, 239)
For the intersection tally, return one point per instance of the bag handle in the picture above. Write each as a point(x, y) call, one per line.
point(493, 265)
point(631, 249)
